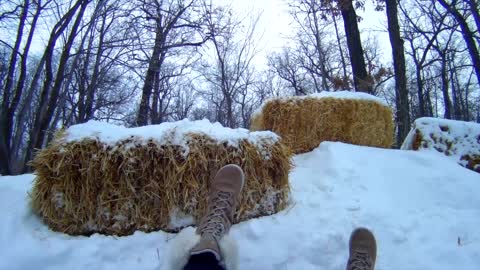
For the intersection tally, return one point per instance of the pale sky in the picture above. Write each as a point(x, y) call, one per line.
point(276, 24)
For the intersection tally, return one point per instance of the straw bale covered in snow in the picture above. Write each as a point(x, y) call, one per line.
point(102, 178)
point(458, 140)
point(304, 122)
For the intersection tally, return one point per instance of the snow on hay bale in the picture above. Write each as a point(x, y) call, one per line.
point(97, 177)
point(304, 122)
point(456, 139)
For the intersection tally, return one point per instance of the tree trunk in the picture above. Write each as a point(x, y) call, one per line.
point(23, 66)
point(155, 99)
point(92, 88)
point(458, 104)
point(230, 121)
point(153, 68)
point(401, 92)
point(321, 57)
point(19, 89)
point(476, 14)
point(340, 49)
point(361, 79)
point(86, 85)
point(83, 80)
point(5, 121)
point(456, 99)
point(421, 101)
point(467, 36)
point(45, 109)
point(467, 92)
point(446, 97)
point(429, 106)
point(13, 59)
point(26, 108)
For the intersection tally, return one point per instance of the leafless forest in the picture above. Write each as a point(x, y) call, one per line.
point(140, 62)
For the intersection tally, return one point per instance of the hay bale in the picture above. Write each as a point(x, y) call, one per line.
point(101, 178)
point(458, 140)
point(304, 122)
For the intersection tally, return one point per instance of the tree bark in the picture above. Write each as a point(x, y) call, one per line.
point(420, 94)
point(446, 97)
point(361, 80)
point(152, 72)
point(458, 105)
point(401, 92)
point(156, 96)
point(467, 92)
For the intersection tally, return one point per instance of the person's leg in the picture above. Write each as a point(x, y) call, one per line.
point(223, 196)
point(204, 261)
point(363, 250)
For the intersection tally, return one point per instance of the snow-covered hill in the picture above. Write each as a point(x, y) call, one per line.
point(423, 208)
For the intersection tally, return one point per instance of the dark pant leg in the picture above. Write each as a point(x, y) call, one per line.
point(204, 261)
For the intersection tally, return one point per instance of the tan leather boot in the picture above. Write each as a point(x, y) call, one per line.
point(223, 196)
point(363, 250)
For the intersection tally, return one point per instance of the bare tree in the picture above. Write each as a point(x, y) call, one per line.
point(311, 19)
point(442, 47)
point(401, 93)
point(50, 93)
point(230, 77)
point(287, 66)
point(175, 24)
point(6, 118)
point(11, 95)
point(99, 65)
point(184, 100)
point(467, 32)
point(434, 37)
point(361, 80)
point(421, 33)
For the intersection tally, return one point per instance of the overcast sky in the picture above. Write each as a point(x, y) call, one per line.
point(276, 23)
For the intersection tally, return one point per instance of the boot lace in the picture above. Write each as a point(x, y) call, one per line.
point(360, 261)
point(218, 220)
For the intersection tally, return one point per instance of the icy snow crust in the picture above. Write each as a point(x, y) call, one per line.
point(422, 207)
point(453, 138)
point(338, 95)
point(173, 133)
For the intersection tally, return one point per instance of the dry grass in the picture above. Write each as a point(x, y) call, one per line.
point(473, 162)
point(86, 187)
point(304, 123)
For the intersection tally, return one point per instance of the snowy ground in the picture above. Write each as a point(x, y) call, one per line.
point(419, 206)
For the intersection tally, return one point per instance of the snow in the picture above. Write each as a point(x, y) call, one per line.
point(452, 138)
point(178, 219)
point(349, 95)
point(422, 207)
point(174, 133)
